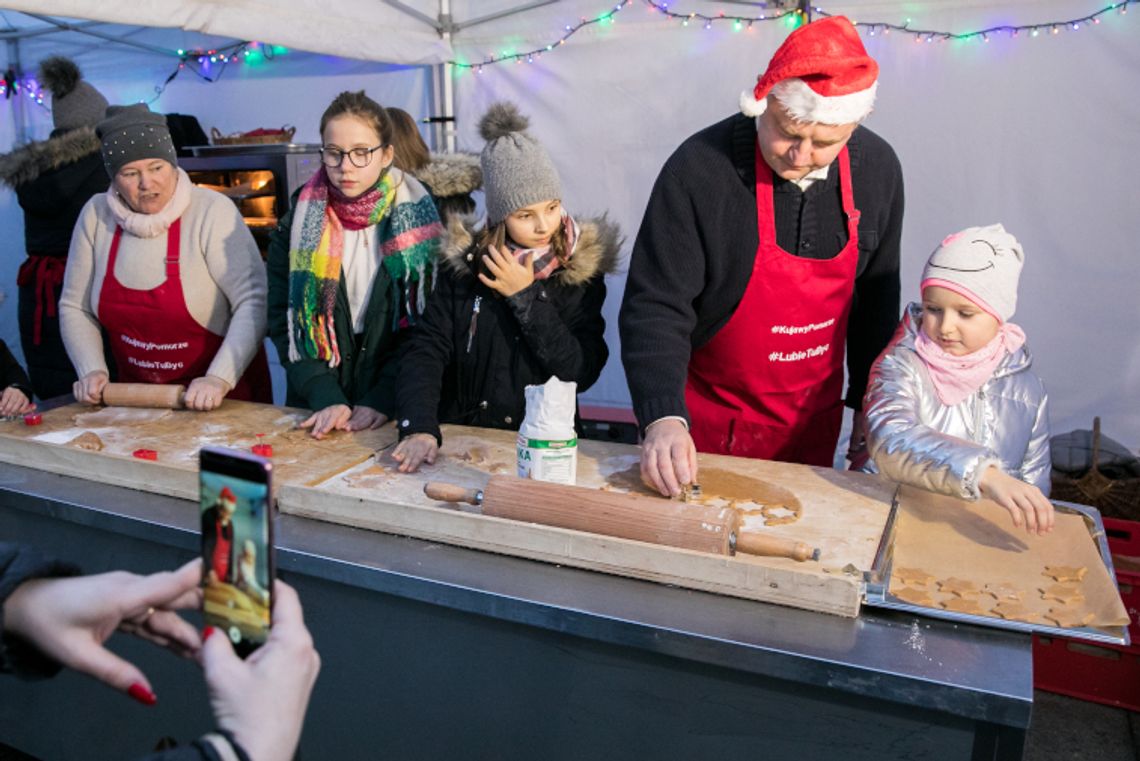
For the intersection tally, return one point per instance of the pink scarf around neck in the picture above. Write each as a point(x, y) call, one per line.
point(955, 378)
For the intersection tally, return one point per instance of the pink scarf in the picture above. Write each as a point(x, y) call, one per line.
point(955, 378)
point(545, 262)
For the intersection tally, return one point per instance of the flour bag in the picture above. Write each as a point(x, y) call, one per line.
point(547, 444)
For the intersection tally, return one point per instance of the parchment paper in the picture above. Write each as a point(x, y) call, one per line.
point(977, 542)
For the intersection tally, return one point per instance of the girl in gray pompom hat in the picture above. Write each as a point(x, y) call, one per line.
point(952, 405)
point(519, 299)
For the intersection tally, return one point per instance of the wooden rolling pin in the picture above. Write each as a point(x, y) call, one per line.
point(628, 516)
point(144, 395)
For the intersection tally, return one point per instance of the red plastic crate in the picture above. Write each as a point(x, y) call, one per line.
point(1124, 544)
point(1106, 674)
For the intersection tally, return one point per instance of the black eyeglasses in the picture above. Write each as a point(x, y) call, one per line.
point(360, 157)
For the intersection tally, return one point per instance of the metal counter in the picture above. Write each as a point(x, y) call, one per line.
point(431, 651)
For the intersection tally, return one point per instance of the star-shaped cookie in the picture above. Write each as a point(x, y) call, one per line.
point(959, 587)
point(1068, 618)
point(1063, 573)
point(1012, 610)
point(1002, 591)
point(963, 605)
point(1063, 593)
point(913, 577)
point(914, 596)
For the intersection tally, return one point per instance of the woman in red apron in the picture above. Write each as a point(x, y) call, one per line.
point(168, 273)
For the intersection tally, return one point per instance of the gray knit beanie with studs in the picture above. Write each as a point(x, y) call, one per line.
point(517, 171)
point(74, 103)
point(131, 133)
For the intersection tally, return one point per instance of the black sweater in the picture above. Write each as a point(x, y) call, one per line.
point(694, 254)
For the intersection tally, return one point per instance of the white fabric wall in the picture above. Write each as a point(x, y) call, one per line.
point(1035, 133)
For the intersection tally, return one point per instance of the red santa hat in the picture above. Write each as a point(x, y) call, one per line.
point(227, 495)
point(821, 74)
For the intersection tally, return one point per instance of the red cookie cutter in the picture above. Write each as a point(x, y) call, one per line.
point(260, 449)
point(145, 454)
point(33, 418)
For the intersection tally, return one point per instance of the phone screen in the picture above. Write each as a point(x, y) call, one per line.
point(237, 545)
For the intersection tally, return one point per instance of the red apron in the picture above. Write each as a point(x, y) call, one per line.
point(155, 339)
point(769, 384)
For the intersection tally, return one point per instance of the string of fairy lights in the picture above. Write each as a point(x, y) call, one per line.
point(792, 18)
point(209, 65)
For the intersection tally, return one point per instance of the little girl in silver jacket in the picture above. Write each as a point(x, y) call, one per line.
point(952, 405)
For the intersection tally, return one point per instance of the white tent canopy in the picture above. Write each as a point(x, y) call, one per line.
point(1033, 131)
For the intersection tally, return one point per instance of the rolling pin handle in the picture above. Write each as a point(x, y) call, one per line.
point(752, 543)
point(453, 493)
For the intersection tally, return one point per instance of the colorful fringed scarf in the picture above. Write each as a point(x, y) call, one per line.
point(408, 231)
point(545, 262)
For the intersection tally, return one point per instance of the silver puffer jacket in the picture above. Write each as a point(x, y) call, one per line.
point(915, 439)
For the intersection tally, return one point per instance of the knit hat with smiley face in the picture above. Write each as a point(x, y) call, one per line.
point(981, 263)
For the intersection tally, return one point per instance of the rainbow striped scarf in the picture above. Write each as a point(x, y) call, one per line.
point(409, 235)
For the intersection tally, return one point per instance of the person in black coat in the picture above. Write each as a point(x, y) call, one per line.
point(516, 303)
point(53, 179)
point(15, 392)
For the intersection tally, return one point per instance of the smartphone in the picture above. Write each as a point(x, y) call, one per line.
point(238, 564)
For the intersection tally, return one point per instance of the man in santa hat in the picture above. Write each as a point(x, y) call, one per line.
point(770, 245)
point(218, 538)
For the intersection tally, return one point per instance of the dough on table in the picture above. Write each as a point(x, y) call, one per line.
point(914, 596)
point(87, 440)
point(1063, 573)
point(963, 605)
point(959, 587)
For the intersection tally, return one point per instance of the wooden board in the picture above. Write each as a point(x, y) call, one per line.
point(842, 513)
point(977, 543)
point(177, 435)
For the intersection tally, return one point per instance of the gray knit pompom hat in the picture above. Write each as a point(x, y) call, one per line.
point(74, 103)
point(517, 171)
point(131, 133)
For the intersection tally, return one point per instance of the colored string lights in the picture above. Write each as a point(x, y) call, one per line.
point(793, 18)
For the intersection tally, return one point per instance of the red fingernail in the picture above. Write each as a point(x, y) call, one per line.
point(139, 692)
point(207, 632)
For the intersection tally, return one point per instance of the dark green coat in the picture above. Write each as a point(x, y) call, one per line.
point(366, 375)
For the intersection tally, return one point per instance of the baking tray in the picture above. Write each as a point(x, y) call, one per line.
point(878, 581)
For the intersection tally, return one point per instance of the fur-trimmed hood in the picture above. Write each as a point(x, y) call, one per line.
point(597, 251)
point(452, 174)
point(27, 163)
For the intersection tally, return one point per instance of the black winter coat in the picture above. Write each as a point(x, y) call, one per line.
point(473, 353)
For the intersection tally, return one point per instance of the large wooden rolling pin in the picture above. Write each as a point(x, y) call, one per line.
point(628, 516)
point(144, 395)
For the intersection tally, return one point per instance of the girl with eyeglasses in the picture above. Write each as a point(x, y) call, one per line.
point(350, 267)
point(518, 300)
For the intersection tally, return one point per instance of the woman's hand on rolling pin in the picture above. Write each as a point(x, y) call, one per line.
point(509, 275)
point(1025, 502)
point(335, 417)
point(414, 450)
point(89, 388)
point(206, 393)
point(365, 419)
point(15, 402)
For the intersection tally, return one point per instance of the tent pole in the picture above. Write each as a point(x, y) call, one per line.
point(19, 114)
point(445, 92)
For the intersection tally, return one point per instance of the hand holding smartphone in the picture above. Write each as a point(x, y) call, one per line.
point(238, 563)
